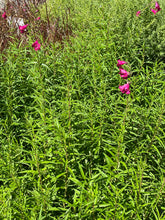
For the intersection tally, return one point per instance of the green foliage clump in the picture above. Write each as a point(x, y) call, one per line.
point(72, 145)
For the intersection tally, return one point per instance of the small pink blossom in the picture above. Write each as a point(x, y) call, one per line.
point(38, 18)
point(125, 88)
point(123, 73)
point(138, 13)
point(36, 45)
point(120, 63)
point(23, 28)
point(124, 76)
point(4, 15)
point(157, 6)
point(154, 11)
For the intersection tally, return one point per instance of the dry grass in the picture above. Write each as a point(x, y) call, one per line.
point(50, 31)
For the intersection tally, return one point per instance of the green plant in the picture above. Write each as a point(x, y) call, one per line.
point(72, 145)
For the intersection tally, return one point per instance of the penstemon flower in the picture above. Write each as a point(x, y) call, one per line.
point(23, 28)
point(123, 73)
point(157, 6)
point(154, 11)
point(36, 45)
point(125, 88)
point(37, 18)
point(138, 13)
point(4, 15)
point(120, 63)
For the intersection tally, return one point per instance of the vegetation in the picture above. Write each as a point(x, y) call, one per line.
point(72, 145)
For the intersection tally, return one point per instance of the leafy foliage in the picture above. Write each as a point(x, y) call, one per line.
point(72, 145)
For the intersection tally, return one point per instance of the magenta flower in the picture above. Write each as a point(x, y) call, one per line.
point(23, 28)
point(138, 13)
point(124, 76)
point(37, 18)
point(154, 11)
point(36, 45)
point(157, 6)
point(125, 88)
point(123, 73)
point(4, 15)
point(120, 63)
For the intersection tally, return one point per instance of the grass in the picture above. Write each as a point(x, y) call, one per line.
point(72, 145)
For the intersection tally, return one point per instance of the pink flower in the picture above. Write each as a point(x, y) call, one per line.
point(37, 18)
point(157, 6)
point(124, 76)
point(125, 88)
point(138, 13)
point(36, 45)
point(123, 73)
point(154, 11)
point(4, 15)
point(23, 28)
point(120, 62)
